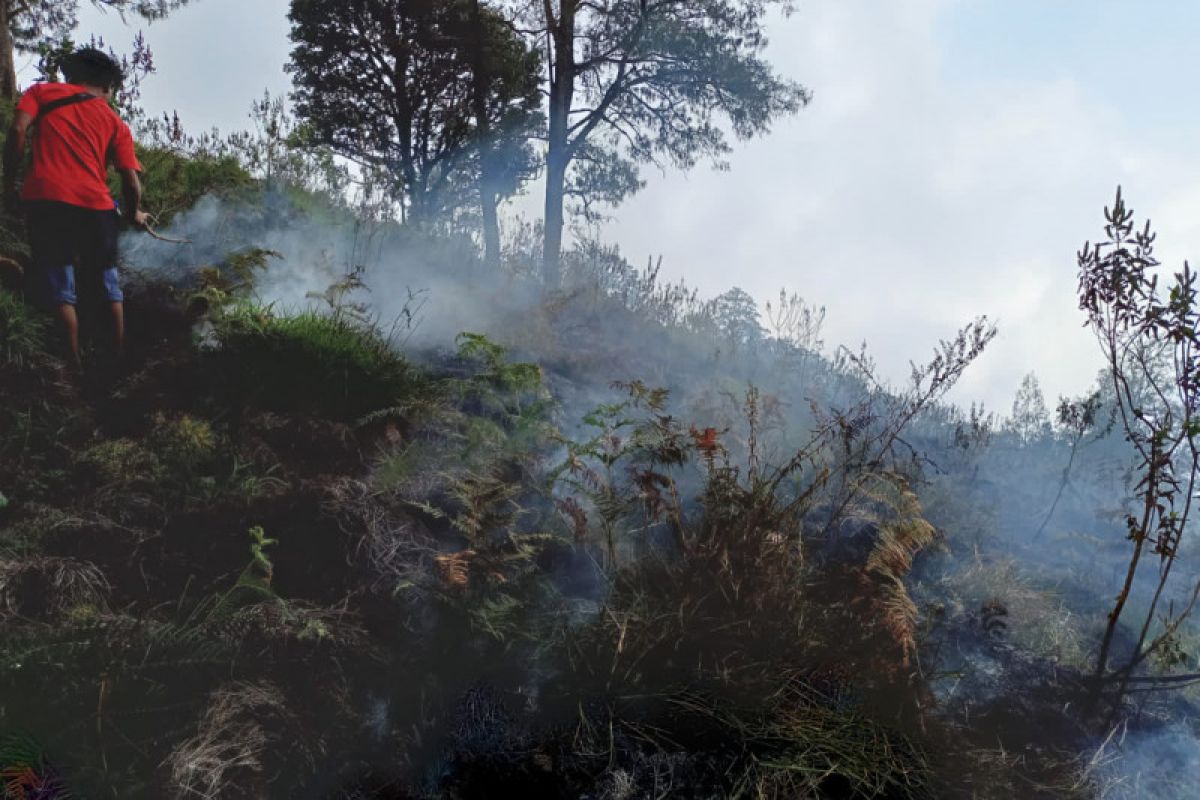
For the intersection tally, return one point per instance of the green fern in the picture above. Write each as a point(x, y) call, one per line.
point(20, 751)
point(253, 583)
point(236, 275)
point(24, 768)
point(261, 565)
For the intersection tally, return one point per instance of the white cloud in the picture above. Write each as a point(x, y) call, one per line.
point(214, 57)
point(908, 199)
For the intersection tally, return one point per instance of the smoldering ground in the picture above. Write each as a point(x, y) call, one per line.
point(1033, 540)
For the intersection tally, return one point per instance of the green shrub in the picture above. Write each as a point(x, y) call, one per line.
point(324, 364)
point(120, 464)
point(186, 444)
point(175, 181)
point(22, 332)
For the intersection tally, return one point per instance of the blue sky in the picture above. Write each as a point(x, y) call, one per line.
point(1141, 55)
point(214, 57)
point(956, 155)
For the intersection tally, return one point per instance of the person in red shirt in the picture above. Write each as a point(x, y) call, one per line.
point(73, 221)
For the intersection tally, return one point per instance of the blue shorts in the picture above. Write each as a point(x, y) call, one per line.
point(73, 245)
point(55, 286)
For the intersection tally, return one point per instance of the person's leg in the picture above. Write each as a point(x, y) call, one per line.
point(103, 255)
point(69, 321)
point(99, 280)
point(60, 297)
point(117, 309)
point(52, 283)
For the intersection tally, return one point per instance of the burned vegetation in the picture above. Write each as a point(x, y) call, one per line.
point(278, 555)
point(384, 579)
point(382, 503)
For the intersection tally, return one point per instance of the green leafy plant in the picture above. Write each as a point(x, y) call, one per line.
point(620, 468)
point(254, 582)
point(476, 433)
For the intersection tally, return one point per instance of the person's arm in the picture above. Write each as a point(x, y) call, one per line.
point(131, 191)
point(123, 158)
point(14, 154)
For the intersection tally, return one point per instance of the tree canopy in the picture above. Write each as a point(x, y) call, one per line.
point(436, 92)
point(659, 82)
point(445, 95)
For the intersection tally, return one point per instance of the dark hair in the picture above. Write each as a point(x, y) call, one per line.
point(93, 67)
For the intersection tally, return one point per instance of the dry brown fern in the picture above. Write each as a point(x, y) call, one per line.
point(573, 511)
point(901, 532)
point(454, 568)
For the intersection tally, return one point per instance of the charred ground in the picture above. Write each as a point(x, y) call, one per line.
point(272, 555)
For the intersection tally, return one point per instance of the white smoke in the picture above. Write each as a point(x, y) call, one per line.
point(1155, 765)
point(431, 289)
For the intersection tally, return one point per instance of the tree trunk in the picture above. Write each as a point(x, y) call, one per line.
point(402, 118)
point(558, 155)
point(8, 67)
point(556, 173)
point(483, 133)
point(491, 224)
point(1114, 616)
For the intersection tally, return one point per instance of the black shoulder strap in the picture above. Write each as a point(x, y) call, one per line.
point(61, 102)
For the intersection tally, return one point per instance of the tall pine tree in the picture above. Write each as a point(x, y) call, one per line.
point(442, 94)
point(646, 81)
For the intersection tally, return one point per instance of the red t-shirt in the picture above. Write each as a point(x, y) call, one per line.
point(72, 147)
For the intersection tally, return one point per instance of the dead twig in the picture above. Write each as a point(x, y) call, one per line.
point(168, 239)
point(148, 228)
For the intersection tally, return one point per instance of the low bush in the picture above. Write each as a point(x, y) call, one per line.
point(323, 364)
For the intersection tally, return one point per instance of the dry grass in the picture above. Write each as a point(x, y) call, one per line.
point(393, 549)
point(999, 774)
point(1037, 619)
point(823, 752)
point(225, 758)
point(49, 587)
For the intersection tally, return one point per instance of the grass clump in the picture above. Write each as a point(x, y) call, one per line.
point(120, 463)
point(183, 462)
point(25, 772)
point(226, 754)
point(810, 749)
point(22, 332)
point(323, 364)
point(37, 587)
